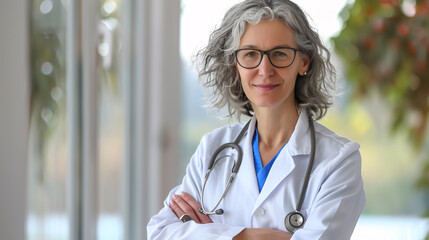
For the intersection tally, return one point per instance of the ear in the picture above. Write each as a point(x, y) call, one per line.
point(305, 64)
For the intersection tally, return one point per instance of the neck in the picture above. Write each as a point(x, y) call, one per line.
point(275, 127)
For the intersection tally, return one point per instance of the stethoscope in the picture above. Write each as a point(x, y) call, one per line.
point(294, 220)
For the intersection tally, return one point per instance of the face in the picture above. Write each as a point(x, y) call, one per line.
point(268, 86)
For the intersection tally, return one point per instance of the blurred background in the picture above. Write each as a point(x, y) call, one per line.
point(110, 110)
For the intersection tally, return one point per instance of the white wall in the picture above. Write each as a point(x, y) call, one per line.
point(13, 118)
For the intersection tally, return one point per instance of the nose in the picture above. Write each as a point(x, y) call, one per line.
point(266, 69)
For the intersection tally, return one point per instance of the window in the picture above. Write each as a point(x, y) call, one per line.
point(111, 123)
point(100, 129)
point(48, 144)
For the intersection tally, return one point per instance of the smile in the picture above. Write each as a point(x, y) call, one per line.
point(266, 87)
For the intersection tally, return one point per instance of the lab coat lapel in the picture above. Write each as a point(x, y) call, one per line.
point(247, 175)
point(299, 144)
point(281, 168)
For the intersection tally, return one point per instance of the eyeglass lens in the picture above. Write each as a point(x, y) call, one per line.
point(280, 57)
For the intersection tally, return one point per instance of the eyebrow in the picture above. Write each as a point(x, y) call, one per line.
point(254, 47)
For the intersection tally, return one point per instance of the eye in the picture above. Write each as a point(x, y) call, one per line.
point(279, 53)
point(251, 54)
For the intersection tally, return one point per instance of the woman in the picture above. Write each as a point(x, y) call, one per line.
point(265, 61)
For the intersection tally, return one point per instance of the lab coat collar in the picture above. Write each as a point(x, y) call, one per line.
point(299, 144)
point(247, 175)
point(300, 141)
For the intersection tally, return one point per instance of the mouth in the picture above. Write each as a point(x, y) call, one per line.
point(266, 87)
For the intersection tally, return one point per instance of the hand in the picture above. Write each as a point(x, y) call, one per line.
point(262, 233)
point(186, 204)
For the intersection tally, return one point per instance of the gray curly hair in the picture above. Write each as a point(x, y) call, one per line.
point(217, 60)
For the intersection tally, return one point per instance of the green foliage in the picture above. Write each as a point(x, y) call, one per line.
point(385, 46)
point(386, 49)
point(47, 71)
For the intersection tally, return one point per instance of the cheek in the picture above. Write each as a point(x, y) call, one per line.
point(240, 71)
point(245, 75)
point(242, 76)
point(245, 80)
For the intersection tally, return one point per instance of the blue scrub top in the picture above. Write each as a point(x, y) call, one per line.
point(261, 172)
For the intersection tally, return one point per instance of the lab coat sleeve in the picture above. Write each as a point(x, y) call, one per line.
point(165, 225)
point(340, 200)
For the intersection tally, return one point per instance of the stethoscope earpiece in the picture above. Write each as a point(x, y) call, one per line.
point(219, 211)
point(235, 167)
point(293, 221)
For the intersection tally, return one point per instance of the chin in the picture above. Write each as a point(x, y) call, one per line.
point(266, 104)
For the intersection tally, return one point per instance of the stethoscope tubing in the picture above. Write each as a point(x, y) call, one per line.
point(220, 149)
point(310, 164)
point(235, 145)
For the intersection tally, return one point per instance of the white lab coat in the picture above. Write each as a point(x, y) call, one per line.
point(333, 203)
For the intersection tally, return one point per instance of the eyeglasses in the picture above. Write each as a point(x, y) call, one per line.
point(280, 57)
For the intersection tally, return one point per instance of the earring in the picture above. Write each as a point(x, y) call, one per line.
point(305, 73)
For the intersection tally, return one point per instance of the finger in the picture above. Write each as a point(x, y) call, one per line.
point(176, 209)
point(196, 206)
point(186, 208)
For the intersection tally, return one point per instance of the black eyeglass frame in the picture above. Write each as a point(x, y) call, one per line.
point(268, 55)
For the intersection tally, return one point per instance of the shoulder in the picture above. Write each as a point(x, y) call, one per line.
point(333, 150)
point(327, 136)
point(223, 134)
point(212, 140)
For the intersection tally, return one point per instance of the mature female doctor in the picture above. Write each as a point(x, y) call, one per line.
point(292, 177)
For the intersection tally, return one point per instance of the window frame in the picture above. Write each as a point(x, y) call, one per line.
point(150, 45)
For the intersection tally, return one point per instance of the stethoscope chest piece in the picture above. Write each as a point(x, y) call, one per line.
point(294, 221)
